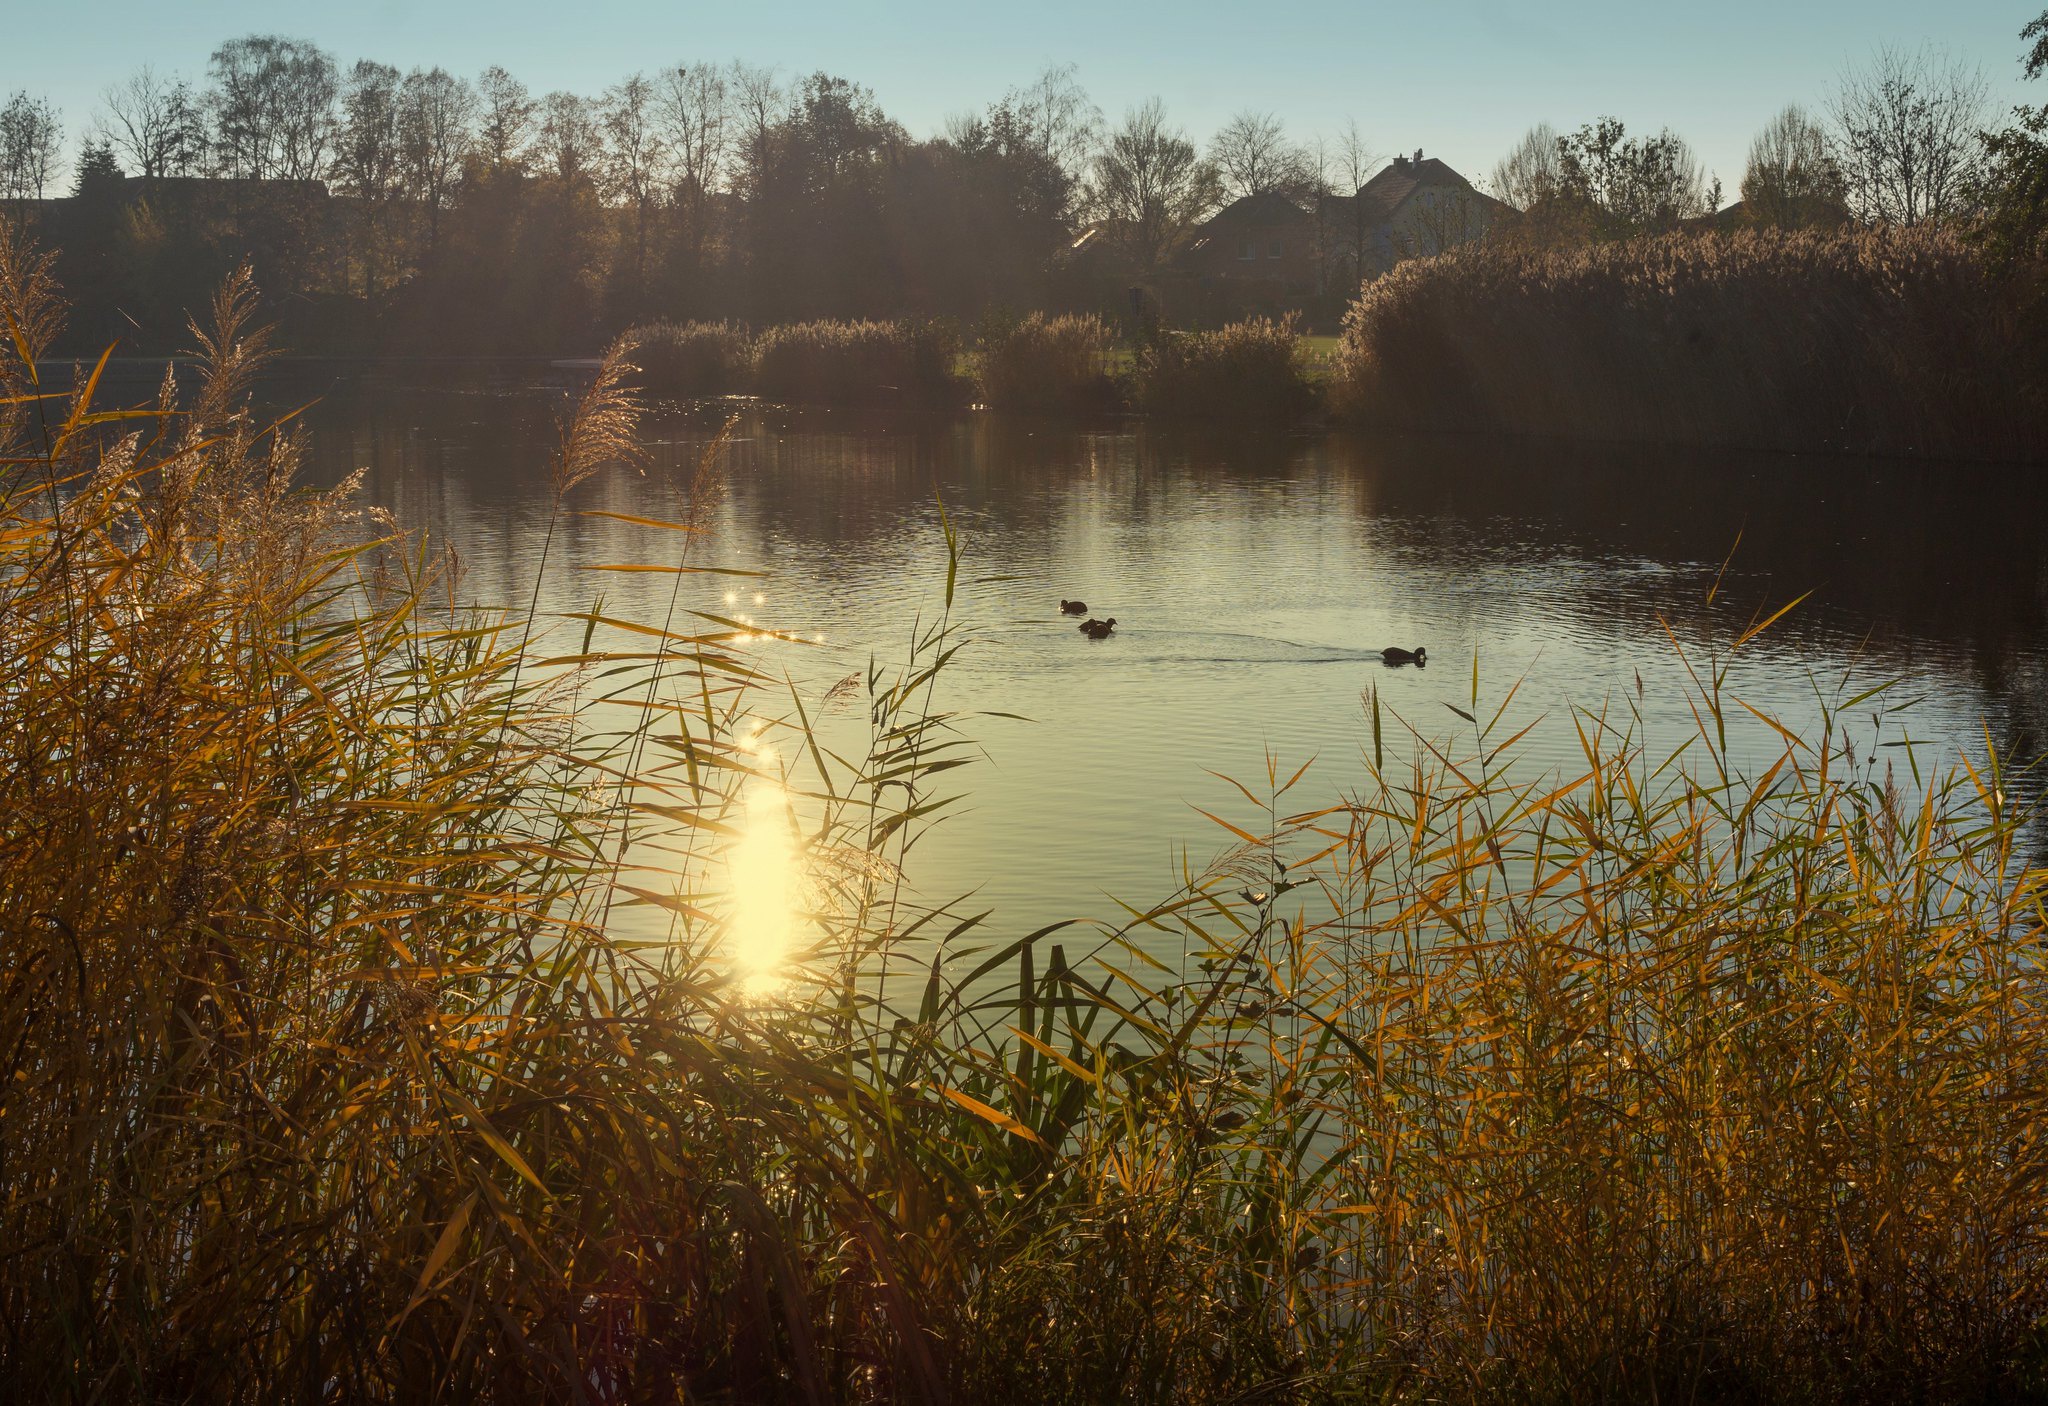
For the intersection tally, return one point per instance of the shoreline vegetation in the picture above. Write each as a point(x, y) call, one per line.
point(1070, 364)
point(377, 1019)
point(1888, 342)
point(1905, 343)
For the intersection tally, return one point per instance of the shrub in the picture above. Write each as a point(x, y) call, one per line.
point(1900, 342)
point(859, 363)
point(694, 358)
point(1049, 364)
point(1250, 370)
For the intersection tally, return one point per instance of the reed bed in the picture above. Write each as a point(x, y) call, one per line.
point(694, 358)
point(1050, 365)
point(1901, 342)
point(859, 363)
point(1250, 370)
point(373, 1026)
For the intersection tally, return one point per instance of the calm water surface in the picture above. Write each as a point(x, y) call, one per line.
point(1254, 577)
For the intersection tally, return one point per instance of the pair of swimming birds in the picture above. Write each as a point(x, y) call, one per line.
point(1094, 629)
point(1098, 629)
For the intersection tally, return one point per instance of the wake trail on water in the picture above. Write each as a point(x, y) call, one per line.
point(1197, 647)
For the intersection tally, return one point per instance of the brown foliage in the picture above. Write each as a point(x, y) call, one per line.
point(1250, 370)
point(1889, 342)
point(694, 358)
point(859, 363)
point(1049, 364)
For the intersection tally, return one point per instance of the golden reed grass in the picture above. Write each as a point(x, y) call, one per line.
point(1903, 342)
point(859, 363)
point(1249, 370)
point(1065, 364)
point(695, 358)
point(367, 1029)
point(1047, 364)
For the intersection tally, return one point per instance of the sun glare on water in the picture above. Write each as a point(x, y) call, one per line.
point(765, 871)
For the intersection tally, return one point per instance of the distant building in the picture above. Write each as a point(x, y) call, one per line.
point(1269, 254)
point(1259, 239)
point(1413, 207)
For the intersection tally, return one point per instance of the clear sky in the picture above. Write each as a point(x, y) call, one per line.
point(1462, 80)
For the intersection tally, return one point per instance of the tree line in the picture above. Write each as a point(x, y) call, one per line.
point(424, 210)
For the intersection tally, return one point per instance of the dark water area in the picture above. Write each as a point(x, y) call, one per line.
point(1254, 576)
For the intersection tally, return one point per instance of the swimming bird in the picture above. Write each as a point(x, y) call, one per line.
point(1074, 607)
point(1417, 655)
point(1098, 629)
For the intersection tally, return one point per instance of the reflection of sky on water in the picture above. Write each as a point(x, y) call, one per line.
point(1253, 576)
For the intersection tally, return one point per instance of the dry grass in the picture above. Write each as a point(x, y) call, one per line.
point(1251, 370)
point(325, 1069)
point(1899, 342)
point(1050, 365)
point(859, 363)
point(331, 1065)
point(694, 358)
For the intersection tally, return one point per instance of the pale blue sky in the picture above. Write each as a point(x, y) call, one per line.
point(1462, 80)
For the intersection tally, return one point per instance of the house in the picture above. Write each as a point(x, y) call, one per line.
point(1257, 255)
point(1263, 238)
point(1414, 206)
point(1268, 254)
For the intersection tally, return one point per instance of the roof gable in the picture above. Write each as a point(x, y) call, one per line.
point(1270, 208)
point(1391, 186)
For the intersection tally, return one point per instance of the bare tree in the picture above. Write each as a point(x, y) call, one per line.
point(695, 111)
point(1151, 185)
point(436, 119)
point(1342, 223)
point(273, 104)
point(634, 153)
point(1064, 122)
point(505, 118)
point(1353, 160)
point(366, 161)
point(1530, 174)
point(1792, 179)
point(1906, 135)
point(569, 140)
point(154, 122)
point(1254, 157)
point(30, 138)
point(366, 153)
point(759, 103)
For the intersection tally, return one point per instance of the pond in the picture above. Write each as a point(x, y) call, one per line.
point(1254, 576)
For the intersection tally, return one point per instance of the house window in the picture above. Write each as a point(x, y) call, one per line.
point(1273, 250)
point(1248, 250)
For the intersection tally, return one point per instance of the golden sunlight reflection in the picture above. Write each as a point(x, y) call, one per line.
point(765, 872)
